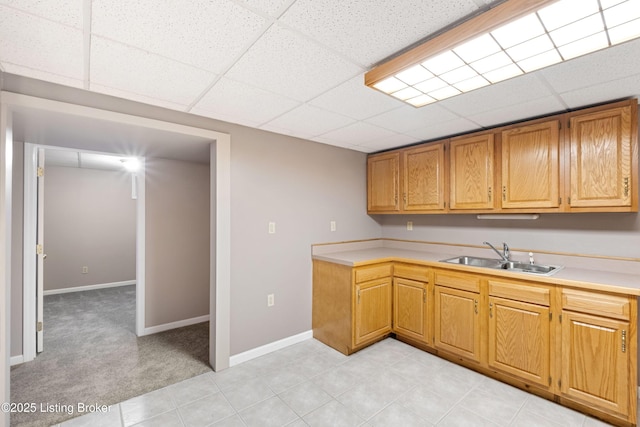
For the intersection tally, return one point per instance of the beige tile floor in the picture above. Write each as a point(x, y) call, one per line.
point(310, 384)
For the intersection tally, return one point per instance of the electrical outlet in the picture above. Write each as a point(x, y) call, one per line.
point(270, 300)
point(409, 225)
point(272, 228)
point(332, 225)
point(85, 270)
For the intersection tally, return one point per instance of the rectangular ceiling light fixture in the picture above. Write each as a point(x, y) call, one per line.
point(514, 38)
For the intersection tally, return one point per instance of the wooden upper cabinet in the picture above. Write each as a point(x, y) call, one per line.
point(383, 182)
point(603, 151)
point(530, 166)
point(424, 178)
point(471, 172)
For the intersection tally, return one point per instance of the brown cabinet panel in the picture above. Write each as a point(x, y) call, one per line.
point(457, 322)
point(410, 309)
point(595, 361)
point(383, 182)
point(372, 310)
point(471, 172)
point(424, 178)
point(601, 158)
point(530, 166)
point(519, 342)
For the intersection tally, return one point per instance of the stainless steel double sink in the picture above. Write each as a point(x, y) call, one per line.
point(498, 264)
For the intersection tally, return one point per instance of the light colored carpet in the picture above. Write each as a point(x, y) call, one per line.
point(92, 355)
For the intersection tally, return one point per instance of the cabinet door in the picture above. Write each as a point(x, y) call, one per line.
point(424, 178)
point(595, 361)
point(601, 158)
point(383, 182)
point(457, 322)
point(372, 310)
point(471, 173)
point(410, 309)
point(519, 340)
point(530, 166)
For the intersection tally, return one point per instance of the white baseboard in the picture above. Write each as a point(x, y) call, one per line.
point(174, 325)
point(89, 287)
point(16, 360)
point(268, 348)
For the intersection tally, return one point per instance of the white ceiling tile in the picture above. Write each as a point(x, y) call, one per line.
point(358, 133)
point(119, 93)
point(389, 142)
point(509, 92)
point(39, 44)
point(41, 75)
point(354, 99)
point(132, 70)
point(309, 121)
point(283, 62)
point(623, 88)
point(67, 12)
point(518, 112)
point(369, 31)
point(244, 121)
point(241, 103)
point(270, 7)
point(599, 67)
point(337, 144)
point(205, 34)
point(444, 129)
point(407, 118)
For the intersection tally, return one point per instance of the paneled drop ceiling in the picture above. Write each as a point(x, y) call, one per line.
point(294, 67)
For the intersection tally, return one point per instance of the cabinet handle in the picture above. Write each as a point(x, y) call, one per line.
point(358, 296)
point(490, 309)
point(424, 295)
point(404, 197)
point(489, 193)
point(504, 193)
point(624, 341)
point(626, 186)
point(475, 306)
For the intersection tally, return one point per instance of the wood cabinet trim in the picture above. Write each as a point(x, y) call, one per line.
point(530, 293)
point(614, 306)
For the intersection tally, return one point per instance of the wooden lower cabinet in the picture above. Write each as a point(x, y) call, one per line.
point(410, 309)
point(457, 323)
point(372, 310)
point(519, 340)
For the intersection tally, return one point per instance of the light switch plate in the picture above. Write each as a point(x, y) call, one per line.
point(272, 228)
point(332, 225)
point(409, 225)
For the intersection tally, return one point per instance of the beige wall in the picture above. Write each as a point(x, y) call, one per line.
point(177, 241)
point(89, 220)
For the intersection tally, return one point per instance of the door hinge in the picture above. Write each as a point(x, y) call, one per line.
point(624, 341)
point(560, 383)
point(560, 318)
point(549, 380)
point(39, 327)
point(550, 316)
point(40, 172)
point(358, 296)
point(39, 250)
point(569, 200)
point(559, 200)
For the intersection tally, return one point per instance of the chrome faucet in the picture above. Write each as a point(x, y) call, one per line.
point(505, 255)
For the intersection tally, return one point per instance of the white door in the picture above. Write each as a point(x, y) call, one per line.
point(41, 256)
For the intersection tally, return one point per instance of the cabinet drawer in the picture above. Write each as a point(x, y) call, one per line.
point(595, 303)
point(413, 272)
point(458, 281)
point(519, 292)
point(364, 274)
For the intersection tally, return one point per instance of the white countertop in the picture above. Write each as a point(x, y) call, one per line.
point(602, 274)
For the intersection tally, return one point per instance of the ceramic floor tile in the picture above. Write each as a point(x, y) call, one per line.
point(282, 379)
point(269, 413)
point(554, 412)
point(426, 402)
point(529, 419)
point(396, 415)
point(110, 418)
point(146, 406)
point(192, 389)
point(233, 421)
point(365, 400)
point(460, 417)
point(205, 411)
point(497, 408)
point(305, 398)
point(592, 422)
point(336, 381)
point(248, 393)
point(234, 375)
point(333, 414)
point(393, 385)
point(168, 419)
point(312, 366)
point(298, 423)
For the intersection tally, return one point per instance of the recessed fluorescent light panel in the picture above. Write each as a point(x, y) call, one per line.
point(553, 32)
